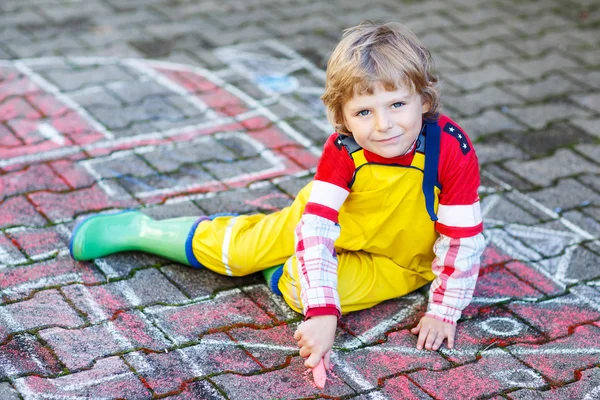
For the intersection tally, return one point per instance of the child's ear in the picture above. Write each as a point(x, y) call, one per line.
point(426, 107)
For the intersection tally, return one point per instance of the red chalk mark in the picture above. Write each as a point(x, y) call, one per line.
point(262, 203)
point(320, 375)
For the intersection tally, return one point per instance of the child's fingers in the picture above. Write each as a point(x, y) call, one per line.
point(438, 341)
point(312, 361)
point(297, 335)
point(430, 339)
point(304, 352)
point(422, 337)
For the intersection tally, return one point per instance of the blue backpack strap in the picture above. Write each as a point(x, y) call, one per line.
point(430, 173)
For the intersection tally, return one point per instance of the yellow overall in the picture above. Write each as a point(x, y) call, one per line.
point(385, 248)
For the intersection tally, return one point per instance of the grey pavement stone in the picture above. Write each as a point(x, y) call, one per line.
point(167, 211)
point(497, 148)
point(584, 387)
point(491, 121)
point(96, 96)
point(591, 58)
point(165, 159)
point(150, 109)
point(437, 41)
point(550, 86)
point(14, 35)
point(541, 23)
point(117, 50)
point(312, 7)
point(587, 77)
point(293, 185)
point(473, 102)
point(7, 392)
point(479, 14)
point(203, 282)
point(538, 116)
point(218, 37)
point(488, 75)
point(121, 265)
point(130, 164)
point(589, 125)
point(421, 23)
point(546, 170)
point(474, 35)
point(562, 40)
point(52, 47)
point(508, 212)
point(224, 171)
point(313, 23)
point(484, 54)
point(537, 67)
point(543, 141)
point(583, 265)
point(68, 11)
point(589, 101)
point(567, 194)
point(506, 176)
point(191, 9)
point(69, 79)
point(126, 17)
point(240, 200)
point(137, 91)
point(21, 17)
point(592, 151)
point(591, 181)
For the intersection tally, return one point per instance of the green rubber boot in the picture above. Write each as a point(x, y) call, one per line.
point(101, 235)
point(272, 276)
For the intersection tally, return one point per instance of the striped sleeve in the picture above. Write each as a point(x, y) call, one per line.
point(456, 267)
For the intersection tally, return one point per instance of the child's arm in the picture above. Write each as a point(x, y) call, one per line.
point(456, 267)
point(315, 339)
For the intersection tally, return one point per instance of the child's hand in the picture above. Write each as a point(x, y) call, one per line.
point(315, 338)
point(432, 333)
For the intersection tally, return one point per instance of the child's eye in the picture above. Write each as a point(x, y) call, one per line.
point(397, 104)
point(363, 113)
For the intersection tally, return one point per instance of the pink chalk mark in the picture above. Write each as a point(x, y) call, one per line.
point(320, 375)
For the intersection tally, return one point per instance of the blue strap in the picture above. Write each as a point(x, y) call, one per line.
point(430, 173)
point(189, 252)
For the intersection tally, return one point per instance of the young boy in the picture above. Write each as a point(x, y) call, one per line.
point(393, 205)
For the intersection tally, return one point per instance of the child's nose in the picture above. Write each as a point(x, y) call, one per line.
point(384, 123)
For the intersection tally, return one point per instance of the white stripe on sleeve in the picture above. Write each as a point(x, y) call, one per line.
point(463, 216)
point(327, 194)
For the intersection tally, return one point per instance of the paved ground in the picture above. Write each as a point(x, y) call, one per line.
point(182, 107)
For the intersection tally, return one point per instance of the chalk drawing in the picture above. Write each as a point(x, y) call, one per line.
point(502, 326)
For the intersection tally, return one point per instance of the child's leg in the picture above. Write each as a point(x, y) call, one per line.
point(364, 280)
point(105, 234)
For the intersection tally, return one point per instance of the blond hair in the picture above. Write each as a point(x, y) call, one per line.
point(370, 53)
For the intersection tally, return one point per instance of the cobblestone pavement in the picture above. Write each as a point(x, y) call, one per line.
point(190, 107)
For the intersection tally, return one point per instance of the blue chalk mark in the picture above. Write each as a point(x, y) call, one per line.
point(277, 83)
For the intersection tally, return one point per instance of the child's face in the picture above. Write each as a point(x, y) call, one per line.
point(385, 123)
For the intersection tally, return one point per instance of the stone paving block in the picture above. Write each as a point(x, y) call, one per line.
point(583, 265)
point(39, 243)
point(293, 382)
point(50, 47)
point(539, 66)
point(17, 107)
point(494, 372)
point(559, 360)
point(73, 173)
point(273, 304)
point(24, 354)
point(171, 158)
point(78, 348)
point(34, 178)
point(9, 253)
point(309, 23)
point(549, 87)
point(18, 282)
point(543, 141)
point(218, 37)
point(292, 185)
point(566, 194)
point(491, 121)
point(541, 23)
point(119, 50)
point(167, 211)
point(496, 282)
point(7, 392)
point(167, 372)
point(17, 86)
point(493, 327)
point(556, 317)
point(508, 212)
point(488, 52)
point(591, 101)
point(538, 116)
point(369, 326)
point(18, 211)
point(63, 207)
point(487, 75)
point(271, 347)
point(474, 35)
point(589, 180)
point(585, 388)
point(121, 265)
point(545, 170)
point(397, 354)
point(591, 151)
point(68, 79)
point(492, 255)
point(20, 17)
point(108, 378)
point(185, 323)
point(147, 287)
point(7, 138)
point(45, 309)
point(474, 102)
point(491, 149)
point(198, 390)
point(532, 275)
